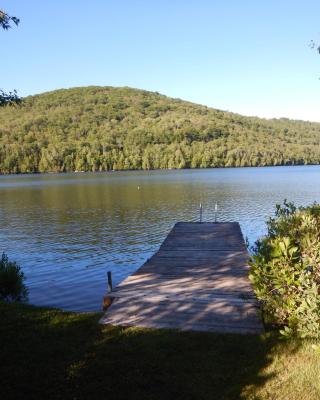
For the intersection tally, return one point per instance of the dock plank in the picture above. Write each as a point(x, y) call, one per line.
point(198, 280)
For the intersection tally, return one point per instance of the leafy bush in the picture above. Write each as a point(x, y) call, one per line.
point(12, 287)
point(285, 270)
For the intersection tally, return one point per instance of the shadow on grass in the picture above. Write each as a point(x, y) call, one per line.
point(49, 354)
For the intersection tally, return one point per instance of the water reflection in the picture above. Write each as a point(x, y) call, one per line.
point(68, 230)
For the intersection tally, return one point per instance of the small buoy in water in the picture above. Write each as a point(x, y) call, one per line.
point(138, 187)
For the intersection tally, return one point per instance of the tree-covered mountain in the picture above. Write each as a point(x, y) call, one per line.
point(106, 128)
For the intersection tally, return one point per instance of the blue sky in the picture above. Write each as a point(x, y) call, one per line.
point(250, 57)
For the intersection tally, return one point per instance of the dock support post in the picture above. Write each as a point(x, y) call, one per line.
point(200, 212)
point(109, 281)
point(215, 212)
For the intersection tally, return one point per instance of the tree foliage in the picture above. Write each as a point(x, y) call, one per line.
point(315, 46)
point(11, 97)
point(106, 128)
point(6, 20)
point(285, 270)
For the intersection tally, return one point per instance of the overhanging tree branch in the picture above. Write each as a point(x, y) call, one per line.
point(315, 45)
point(11, 97)
point(6, 20)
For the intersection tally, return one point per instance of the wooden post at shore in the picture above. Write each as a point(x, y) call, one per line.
point(109, 281)
point(108, 299)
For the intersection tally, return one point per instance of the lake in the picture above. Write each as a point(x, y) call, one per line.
point(68, 230)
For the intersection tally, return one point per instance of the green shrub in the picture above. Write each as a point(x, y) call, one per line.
point(12, 287)
point(285, 270)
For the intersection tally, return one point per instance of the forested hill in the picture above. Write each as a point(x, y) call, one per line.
point(106, 128)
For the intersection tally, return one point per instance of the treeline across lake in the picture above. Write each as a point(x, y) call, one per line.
point(105, 128)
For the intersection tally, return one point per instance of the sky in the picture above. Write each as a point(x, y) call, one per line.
point(251, 57)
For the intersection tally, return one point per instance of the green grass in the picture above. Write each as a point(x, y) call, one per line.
point(50, 354)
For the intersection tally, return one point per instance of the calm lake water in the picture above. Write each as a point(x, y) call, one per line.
point(67, 231)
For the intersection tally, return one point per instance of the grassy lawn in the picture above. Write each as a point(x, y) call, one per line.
point(50, 354)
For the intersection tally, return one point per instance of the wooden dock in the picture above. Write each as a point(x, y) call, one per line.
point(198, 280)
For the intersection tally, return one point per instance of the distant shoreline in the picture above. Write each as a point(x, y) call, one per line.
point(154, 170)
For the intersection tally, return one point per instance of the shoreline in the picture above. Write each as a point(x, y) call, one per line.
point(155, 170)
